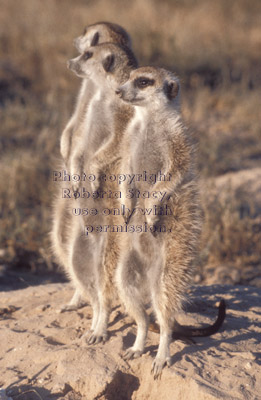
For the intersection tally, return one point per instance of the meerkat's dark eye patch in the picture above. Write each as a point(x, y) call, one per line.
point(87, 55)
point(108, 62)
point(95, 39)
point(143, 82)
point(171, 89)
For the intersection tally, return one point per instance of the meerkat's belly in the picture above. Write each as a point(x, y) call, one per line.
point(148, 157)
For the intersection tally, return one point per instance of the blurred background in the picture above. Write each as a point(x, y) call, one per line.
point(214, 47)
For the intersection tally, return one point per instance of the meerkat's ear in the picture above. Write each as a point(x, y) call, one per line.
point(95, 39)
point(171, 89)
point(108, 62)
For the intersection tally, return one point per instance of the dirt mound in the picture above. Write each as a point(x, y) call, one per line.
point(43, 354)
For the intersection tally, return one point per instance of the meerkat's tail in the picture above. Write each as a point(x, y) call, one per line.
point(188, 332)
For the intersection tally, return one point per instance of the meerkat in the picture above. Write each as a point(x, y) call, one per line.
point(101, 32)
point(93, 257)
point(158, 262)
point(99, 160)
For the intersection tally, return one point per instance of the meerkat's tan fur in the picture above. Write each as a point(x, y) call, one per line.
point(93, 257)
point(158, 262)
point(72, 137)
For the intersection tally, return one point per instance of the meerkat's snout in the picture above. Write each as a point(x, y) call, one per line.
point(124, 92)
point(128, 93)
point(119, 92)
point(77, 65)
point(74, 66)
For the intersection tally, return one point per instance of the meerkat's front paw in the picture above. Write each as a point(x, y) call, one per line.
point(158, 365)
point(95, 184)
point(149, 212)
point(76, 189)
point(75, 185)
point(152, 220)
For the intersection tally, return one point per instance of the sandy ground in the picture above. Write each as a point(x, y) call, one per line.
point(43, 355)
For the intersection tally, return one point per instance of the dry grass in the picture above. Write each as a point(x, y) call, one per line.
point(232, 232)
point(215, 49)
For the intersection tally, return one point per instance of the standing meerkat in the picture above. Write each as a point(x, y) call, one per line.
point(62, 217)
point(93, 256)
point(158, 262)
point(100, 161)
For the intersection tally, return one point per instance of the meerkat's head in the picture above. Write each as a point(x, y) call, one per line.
point(150, 86)
point(105, 62)
point(102, 32)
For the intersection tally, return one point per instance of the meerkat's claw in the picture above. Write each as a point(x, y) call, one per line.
point(96, 339)
point(68, 307)
point(95, 186)
point(72, 307)
point(131, 353)
point(158, 365)
point(75, 303)
point(75, 188)
point(156, 369)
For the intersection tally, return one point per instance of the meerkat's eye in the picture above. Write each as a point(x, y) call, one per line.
point(87, 55)
point(143, 82)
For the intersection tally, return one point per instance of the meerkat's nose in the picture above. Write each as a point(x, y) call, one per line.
point(119, 92)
